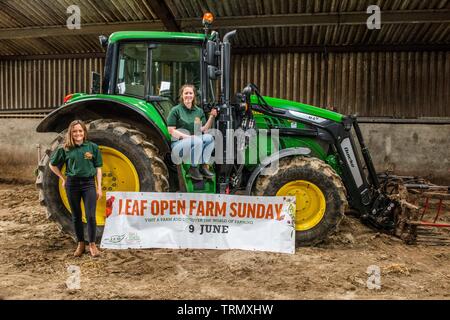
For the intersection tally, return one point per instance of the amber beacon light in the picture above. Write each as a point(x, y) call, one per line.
point(208, 18)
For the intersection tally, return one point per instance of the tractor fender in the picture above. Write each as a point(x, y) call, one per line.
point(273, 157)
point(101, 108)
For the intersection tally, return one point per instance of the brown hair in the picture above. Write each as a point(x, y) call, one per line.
point(194, 100)
point(68, 142)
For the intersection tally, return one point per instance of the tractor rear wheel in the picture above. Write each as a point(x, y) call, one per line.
point(319, 191)
point(131, 162)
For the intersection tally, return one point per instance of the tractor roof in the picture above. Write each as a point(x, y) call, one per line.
point(148, 35)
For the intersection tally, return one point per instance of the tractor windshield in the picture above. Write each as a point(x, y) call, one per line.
point(132, 71)
point(174, 65)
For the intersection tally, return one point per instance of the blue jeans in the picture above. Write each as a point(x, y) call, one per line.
point(195, 149)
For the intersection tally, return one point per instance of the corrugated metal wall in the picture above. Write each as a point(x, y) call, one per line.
point(42, 84)
point(397, 84)
point(372, 84)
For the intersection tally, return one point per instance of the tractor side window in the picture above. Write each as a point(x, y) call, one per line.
point(131, 72)
point(174, 65)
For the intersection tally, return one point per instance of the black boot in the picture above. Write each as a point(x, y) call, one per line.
point(195, 174)
point(204, 170)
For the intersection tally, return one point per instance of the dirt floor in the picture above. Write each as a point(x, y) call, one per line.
point(35, 255)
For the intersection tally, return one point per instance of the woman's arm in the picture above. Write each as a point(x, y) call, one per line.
point(177, 134)
point(210, 121)
point(99, 183)
point(58, 172)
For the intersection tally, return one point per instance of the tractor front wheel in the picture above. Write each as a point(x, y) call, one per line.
point(131, 162)
point(319, 191)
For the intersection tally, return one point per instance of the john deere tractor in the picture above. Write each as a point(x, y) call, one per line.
point(319, 155)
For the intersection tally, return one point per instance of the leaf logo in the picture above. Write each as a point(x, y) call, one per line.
point(117, 238)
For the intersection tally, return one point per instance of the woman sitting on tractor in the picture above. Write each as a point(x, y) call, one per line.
point(187, 123)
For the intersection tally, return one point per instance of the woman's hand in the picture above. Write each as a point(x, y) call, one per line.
point(177, 134)
point(184, 136)
point(58, 172)
point(99, 183)
point(99, 193)
point(210, 121)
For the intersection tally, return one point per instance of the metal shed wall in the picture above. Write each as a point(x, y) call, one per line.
point(372, 84)
point(43, 83)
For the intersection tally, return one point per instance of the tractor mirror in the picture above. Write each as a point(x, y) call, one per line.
point(211, 47)
point(103, 41)
point(248, 90)
point(213, 72)
point(95, 82)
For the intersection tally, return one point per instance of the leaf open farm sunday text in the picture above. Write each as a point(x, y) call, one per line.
point(200, 208)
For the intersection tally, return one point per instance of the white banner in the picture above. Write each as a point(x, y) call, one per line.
point(199, 221)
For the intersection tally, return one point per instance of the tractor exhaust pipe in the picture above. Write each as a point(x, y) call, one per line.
point(226, 67)
point(225, 122)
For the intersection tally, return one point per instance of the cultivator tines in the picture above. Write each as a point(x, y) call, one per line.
point(423, 211)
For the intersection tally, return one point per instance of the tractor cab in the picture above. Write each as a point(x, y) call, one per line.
point(150, 64)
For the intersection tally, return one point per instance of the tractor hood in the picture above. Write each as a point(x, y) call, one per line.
point(98, 106)
point(300, 107)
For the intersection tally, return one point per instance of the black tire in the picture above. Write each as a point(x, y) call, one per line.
point(141, 151)
point(324, 177)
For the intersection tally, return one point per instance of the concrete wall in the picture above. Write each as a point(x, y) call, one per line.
point(18, 140)
point(410, 149)
point(22, 133)
point(406, 149)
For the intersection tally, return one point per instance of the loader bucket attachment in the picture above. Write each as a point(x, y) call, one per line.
point(423, 212)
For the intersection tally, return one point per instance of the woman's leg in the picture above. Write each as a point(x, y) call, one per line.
point(177, 152)
point(74, 197)
point(89, 196)
point(208, 147)
point(196, 150)
point(188, 150)
point(182, 151)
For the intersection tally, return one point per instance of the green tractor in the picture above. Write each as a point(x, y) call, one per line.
point(317, 157)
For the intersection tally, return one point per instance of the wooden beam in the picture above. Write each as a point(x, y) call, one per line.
point(299, 20)
point(86, 55)
point(163, 13)
point(86, 29)
point(349, 48)
point(265, 50)
point(322, 19)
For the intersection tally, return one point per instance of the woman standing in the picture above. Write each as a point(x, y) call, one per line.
point(192, 120)
point(83, 161)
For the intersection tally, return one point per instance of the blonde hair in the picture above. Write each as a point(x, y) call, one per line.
point(68, 142)
point(194, 100)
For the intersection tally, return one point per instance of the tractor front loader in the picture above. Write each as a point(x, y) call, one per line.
point(316, 151)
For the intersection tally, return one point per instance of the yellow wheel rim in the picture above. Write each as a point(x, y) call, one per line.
point(119, 174)
point(310, 201)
